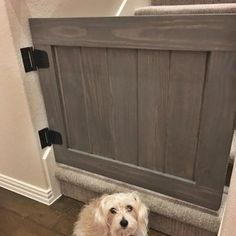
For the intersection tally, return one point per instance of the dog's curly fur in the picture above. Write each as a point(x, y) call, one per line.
point(103, 216)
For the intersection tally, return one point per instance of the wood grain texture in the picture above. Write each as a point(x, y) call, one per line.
point(97, 86)
point(217, 121)
point(156, 181)
point(70, 78)
point(23, 216)
point(52, 96)
point(187, 74)
point(188, 32)
point(153, 82)
point(122, 68)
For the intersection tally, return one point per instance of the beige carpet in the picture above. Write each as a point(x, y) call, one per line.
point(229, 8)
point(184, 2)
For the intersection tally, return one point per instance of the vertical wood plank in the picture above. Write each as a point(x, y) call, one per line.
point(98, 100)
point(51, 94)
point(71, 84)
point(123, 76)
point(187, 74)
point(217, 123)
point(153, 78)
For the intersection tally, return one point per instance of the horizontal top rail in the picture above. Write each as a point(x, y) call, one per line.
point(185, 32)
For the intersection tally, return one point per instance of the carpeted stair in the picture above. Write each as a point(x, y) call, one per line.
point(185, 2)
point(168, 215)
point(229, 8)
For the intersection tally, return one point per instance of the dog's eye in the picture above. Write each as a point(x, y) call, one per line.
point(129, 208)
point(113, 210)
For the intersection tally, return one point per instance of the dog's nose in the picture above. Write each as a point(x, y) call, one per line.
point(124, 223)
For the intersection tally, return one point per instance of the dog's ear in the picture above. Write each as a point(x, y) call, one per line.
point(142, 212)
point(99, 211)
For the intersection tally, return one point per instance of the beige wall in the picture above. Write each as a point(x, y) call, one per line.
point(229, 220)
point(228, 227)
point(19, 151)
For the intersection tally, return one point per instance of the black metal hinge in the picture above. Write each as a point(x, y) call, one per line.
point(34, 59)
point(48, 137)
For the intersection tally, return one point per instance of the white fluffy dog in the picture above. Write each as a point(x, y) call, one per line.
point(119, 214)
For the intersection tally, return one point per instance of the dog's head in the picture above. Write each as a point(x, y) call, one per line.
point(123, 214)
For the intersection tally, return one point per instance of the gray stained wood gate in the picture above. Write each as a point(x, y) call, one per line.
point(145, 100)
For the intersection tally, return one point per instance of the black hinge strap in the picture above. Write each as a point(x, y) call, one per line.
point(34, 59)
point(48, 137)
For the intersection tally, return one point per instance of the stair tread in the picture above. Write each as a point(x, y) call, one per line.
point(163, 205)
point(187, 9)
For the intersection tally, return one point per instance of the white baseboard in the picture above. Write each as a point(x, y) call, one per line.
point(45, 196)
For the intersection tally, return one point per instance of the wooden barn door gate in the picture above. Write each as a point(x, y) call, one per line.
point(146, 100)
